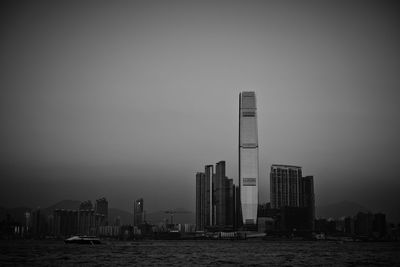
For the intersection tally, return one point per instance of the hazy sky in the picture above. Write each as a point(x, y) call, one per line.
point(128, 99)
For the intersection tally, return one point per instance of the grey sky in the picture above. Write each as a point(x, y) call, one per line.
point(128, 99)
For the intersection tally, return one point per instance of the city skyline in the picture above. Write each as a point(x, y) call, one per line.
point(130, 100)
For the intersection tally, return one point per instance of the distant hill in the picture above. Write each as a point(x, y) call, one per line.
point(339, 209)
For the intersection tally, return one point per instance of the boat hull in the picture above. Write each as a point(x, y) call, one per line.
point(82, 240)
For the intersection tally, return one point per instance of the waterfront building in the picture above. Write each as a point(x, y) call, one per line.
point(238, 222)
point(379, 225)
point(65, 222)
point(223, 197)
point(364, 223)
point(88, 219)
point(285, 186)
point(219, 183)
point(294, 195)
point(38, 223)
point(307, 198)
point(248, 157)
point(207, 194)
point(205, 207)
point(109, 231)
point(200, 178)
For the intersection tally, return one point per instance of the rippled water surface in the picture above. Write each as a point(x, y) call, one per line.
point(189, 253)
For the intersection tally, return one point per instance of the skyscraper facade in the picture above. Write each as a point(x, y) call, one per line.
point(199, 221)
point(208, 194)
point(248, 157)
point(86, 217)
point(220, 194)
point(203, 199)
point(293, 194)
point(102, 208)
point(223, 197)
point(285, 186)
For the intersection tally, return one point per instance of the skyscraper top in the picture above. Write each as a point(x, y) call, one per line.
point(284, 166)
point(248, 93)
point(248, 100)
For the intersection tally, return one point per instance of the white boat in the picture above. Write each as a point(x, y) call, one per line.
point(82, 240)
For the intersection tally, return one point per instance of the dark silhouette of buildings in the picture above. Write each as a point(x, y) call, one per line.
point(84, 221)
point(201, 201)
point(102, 208)
point(223, 189)
point(65, 222)
point(85, 217)
point(138, 213)
point(293, 195)
point(38, 223)
point(215, 198)
point(364, 226)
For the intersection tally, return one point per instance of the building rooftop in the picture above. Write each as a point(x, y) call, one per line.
point(284, 166)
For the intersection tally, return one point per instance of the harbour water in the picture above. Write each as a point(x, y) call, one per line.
point(206, 253)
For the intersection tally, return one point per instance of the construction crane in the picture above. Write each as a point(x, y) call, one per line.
point(173, 212)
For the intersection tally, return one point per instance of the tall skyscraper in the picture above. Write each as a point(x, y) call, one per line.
point(208, 195)
point(220, 194)
point(138, 212)
point(204, 210)
point(199, 219)
point(248, 157)
point(202, 201)
point(307, 197)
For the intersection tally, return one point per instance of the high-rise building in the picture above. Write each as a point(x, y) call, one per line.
point(86, 218)
point(248, 157)
point(238, 222)
point(214, 198)
point(219, 191)
point(208, 195)
point(285, 186)
point(199, 220)
point(65, 222)
point(138, 212)
point(223, 197)
point(307, 198)
point(204, 198)
point(294, 195)
point(102, 208)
